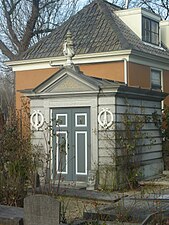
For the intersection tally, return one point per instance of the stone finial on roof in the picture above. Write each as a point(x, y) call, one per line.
point(68, 49)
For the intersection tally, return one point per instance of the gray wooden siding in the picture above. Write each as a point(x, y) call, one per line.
point(149, 149)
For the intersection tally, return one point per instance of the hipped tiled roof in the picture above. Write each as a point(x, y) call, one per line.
point(96, 28)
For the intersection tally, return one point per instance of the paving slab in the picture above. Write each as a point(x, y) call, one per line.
point(11, 215)
point(11, 212)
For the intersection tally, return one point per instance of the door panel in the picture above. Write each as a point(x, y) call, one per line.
point(61, 151)
point(71, 143)
point(81, 152)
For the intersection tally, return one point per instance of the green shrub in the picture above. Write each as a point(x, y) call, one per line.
point(16, 161)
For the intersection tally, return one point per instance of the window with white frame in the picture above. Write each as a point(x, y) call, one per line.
point(156, 79)
point(150, 31)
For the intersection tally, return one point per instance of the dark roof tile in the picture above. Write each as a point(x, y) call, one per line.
point(96, 28)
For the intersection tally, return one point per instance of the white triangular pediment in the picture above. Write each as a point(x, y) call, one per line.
point(68, 84)
point(66, 81)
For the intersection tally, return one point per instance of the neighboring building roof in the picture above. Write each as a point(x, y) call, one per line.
point(96, 28)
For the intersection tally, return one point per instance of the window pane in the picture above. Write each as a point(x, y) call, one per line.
point(154, 27)
point(155, 79)
point(154, 38)
point(147, 24)
point(150, 31)
point(146, 30)
point(147, 36)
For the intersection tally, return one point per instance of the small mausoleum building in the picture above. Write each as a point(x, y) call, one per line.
point(97, 127)
point(78, 123)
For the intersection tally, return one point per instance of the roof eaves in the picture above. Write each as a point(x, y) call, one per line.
point(160, 58)
point(134, 92)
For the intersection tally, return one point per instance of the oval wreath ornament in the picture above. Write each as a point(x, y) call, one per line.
point(37, 119)
point(105, 118)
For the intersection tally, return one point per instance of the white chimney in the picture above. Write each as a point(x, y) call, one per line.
point(126, 4)
point(164, 27)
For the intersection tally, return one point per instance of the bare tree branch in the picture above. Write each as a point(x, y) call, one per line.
point(42, 31)
point(13, 6)
point(6, 51)
point(30, 26)
point(24, 22)
point(9, 26)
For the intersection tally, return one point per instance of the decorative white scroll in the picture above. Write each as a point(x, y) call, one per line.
point(105, 118)
point(37, 119)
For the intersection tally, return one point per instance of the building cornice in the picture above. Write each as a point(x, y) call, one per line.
point(46, 63)
point(148, 59)
point(130, 55)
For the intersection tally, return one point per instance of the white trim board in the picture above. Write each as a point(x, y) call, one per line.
point(46, 63)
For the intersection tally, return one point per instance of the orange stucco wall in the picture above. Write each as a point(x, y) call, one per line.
point(139, 75)
point(112, 71)
point(166, 85)
point(30, 79)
